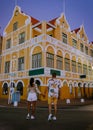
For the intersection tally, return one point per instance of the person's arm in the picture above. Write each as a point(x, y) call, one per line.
point(28, 89)
point(37, 89)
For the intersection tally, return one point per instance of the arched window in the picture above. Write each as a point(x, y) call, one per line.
point(20, 88)
point(5, 89)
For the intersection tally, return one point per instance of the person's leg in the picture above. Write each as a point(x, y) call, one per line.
point(50, 108)
point(28, 106)
point(55, 108)
point(50, 104)
point(33, 109)
point(28, 109)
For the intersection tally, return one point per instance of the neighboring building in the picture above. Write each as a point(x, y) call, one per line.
point(32, 48)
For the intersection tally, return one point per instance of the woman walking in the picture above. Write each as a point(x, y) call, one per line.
point(32, 91)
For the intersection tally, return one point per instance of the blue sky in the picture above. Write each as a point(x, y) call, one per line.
point(77, 12)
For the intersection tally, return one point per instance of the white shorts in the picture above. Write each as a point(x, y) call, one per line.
point(32, 97)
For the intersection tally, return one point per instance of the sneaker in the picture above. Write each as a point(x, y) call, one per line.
point(28, 117)
point(32, 117)
point(54, 118)
point(50, 117)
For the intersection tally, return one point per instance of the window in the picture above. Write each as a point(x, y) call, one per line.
point(20, 88)
point(21, 63)
point(74, 43)
point(89, 70)
point(59, 62)
point(73, 66)
point(16, 12)
point(84, 69)
point(86, 50)
point(79, 68)
point(67, 64)
point(50, 60)
point(21, 37)
point(91, 53)
point(36, 60)
point(8, 43)
point(81, 47)
point(7, 66)
point(15, 26)
point(64, 37)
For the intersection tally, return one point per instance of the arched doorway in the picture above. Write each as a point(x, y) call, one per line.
point(5, 89)
point(64, 91)
point(20, 88)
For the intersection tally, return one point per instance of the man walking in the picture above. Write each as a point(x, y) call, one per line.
point(53, 88)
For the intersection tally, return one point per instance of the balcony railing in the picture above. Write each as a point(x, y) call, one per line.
point(46, 38)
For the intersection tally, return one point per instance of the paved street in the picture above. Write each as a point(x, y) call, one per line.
point(77, 118)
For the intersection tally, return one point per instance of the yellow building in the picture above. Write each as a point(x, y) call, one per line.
point(32, 48)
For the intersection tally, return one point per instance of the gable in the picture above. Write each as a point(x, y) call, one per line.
point(61, 21)
point(82, 34)
point(19, 17)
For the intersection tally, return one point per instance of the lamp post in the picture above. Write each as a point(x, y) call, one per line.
point(11, 89)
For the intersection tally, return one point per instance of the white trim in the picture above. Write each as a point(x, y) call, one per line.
point(19, 9)
point(21, 82)
point(40, 81)
point(66, 82)
point(12, 82)
point(49, 45)
point(36, 45)
point(4, 83)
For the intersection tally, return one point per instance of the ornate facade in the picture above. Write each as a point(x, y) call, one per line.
point(32, 48)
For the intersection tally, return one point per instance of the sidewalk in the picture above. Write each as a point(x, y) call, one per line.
point(61, 103)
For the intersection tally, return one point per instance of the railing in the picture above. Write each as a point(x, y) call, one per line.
point(49, 39)
point(14, 75)
point(24, 45)
point(36, 40)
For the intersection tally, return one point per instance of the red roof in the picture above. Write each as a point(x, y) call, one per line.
point(76, 30)
point(53, 21)
point(34, 21)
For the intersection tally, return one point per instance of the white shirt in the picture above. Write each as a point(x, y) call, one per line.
point(53, 87)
